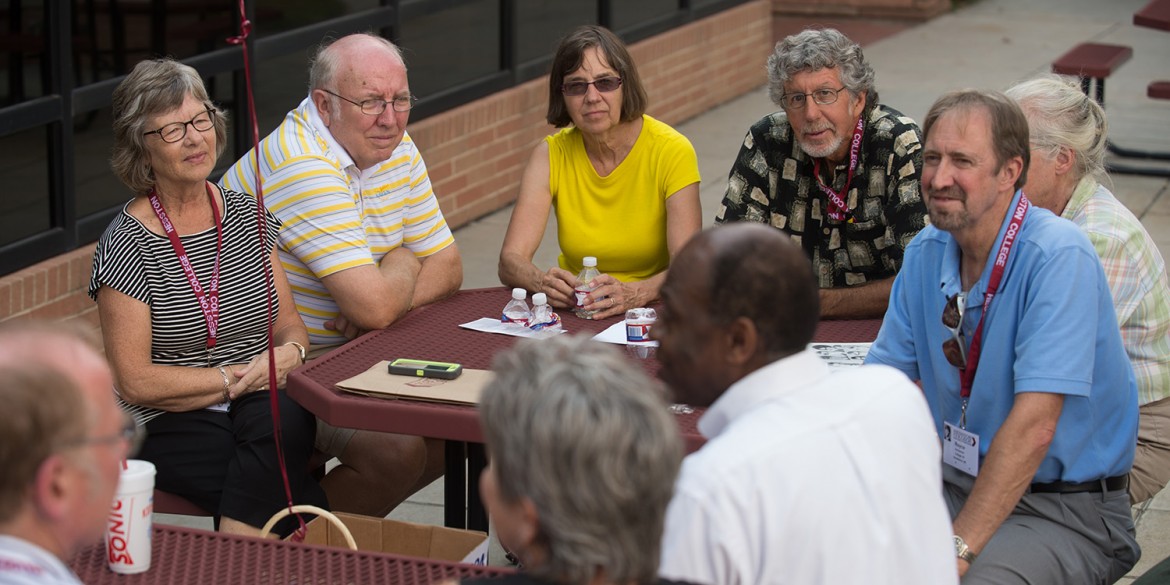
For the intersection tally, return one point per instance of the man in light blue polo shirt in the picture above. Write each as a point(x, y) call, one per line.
point(1002, 311)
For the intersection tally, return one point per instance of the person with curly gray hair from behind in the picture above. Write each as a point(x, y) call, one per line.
point(1068, 134)
point(583, 454)
point(834, 168)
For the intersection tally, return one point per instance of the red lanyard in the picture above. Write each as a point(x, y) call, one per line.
point(967, 375)
point(208, 303)
point(837, 208)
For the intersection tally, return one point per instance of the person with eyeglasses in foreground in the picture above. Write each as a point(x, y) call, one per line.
point(182, 281)
point(625, 186)
point(1002, 312)
point(61, 448)
point(809, 476)
point(834, 168)
point(582, 456)
point(1068, 134)
point(363, 240)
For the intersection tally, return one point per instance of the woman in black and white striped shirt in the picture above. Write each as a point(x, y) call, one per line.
point(181, 281)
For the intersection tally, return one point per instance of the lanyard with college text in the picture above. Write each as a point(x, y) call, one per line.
point(967, 375)
point(837, 208)
point(209, 302)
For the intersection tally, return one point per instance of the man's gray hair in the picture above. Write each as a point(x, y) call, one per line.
point(816, 49)
point(1060, 114)
point(582, 432)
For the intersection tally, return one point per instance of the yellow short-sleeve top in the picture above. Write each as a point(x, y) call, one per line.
point(619, 218)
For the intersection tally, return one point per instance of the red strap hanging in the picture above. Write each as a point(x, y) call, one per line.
point(262, 229)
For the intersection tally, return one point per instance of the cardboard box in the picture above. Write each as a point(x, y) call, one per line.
point(403, 538)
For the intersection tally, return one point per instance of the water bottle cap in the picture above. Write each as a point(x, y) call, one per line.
point(589, 261)
point(540, 299)
point(519, 294)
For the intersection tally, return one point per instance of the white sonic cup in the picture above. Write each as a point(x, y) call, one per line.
point(129, 524)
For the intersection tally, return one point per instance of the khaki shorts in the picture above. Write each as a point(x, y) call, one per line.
point(331, 440)
point(1151, 460)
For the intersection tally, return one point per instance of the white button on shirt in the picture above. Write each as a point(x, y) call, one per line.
point(813, 476)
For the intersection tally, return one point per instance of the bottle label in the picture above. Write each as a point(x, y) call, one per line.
point(637, 331)
point(522, 321)
point(581, 293)
point(552, 321)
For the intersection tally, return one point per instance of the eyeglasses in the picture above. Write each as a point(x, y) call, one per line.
point(578, 88)
point(797, 101)
point(955, 348)
point(131, 433)
point(375, 106)
point(175, 132)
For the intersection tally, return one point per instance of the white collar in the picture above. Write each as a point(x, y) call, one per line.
point(323, 130)
point(768, 383)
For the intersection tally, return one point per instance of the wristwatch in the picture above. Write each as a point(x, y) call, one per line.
point(300, 349)
point(963, 551)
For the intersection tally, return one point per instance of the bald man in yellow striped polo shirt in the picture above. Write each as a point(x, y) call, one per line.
point(362, 240)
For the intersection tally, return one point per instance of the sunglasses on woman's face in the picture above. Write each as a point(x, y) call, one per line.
point(578, 88)
point(955, 348)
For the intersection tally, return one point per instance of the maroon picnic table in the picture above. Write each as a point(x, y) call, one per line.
point(433, 333)
point(1156, 14)
point(181, 555)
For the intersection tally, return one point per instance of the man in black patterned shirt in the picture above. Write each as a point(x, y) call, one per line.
point(834, 169)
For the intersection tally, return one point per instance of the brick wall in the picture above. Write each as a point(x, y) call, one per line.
point(477, 152)
point(895, 9)
point(54, 289)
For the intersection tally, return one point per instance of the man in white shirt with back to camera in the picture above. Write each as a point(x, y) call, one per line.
point(810, 475)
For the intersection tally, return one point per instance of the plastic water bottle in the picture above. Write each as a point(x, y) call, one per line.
point(543, 316)
point(517, 311)
point(588, 273)
point(638, 324)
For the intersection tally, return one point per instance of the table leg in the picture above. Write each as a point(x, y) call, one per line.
point(455, 485)
point(477, 518)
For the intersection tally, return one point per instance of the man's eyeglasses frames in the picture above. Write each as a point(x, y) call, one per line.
point(797, 101)
point(375, 106)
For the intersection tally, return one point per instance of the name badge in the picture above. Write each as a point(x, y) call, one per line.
point(960, 449)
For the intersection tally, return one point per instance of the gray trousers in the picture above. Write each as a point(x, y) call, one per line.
point(1052, 539)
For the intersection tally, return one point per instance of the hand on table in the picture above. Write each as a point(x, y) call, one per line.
point(253, 376)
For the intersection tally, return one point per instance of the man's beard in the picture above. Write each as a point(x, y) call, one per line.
point(952, 220)
point(825, 150)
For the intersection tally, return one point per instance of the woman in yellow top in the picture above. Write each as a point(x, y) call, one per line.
point(624, 185)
